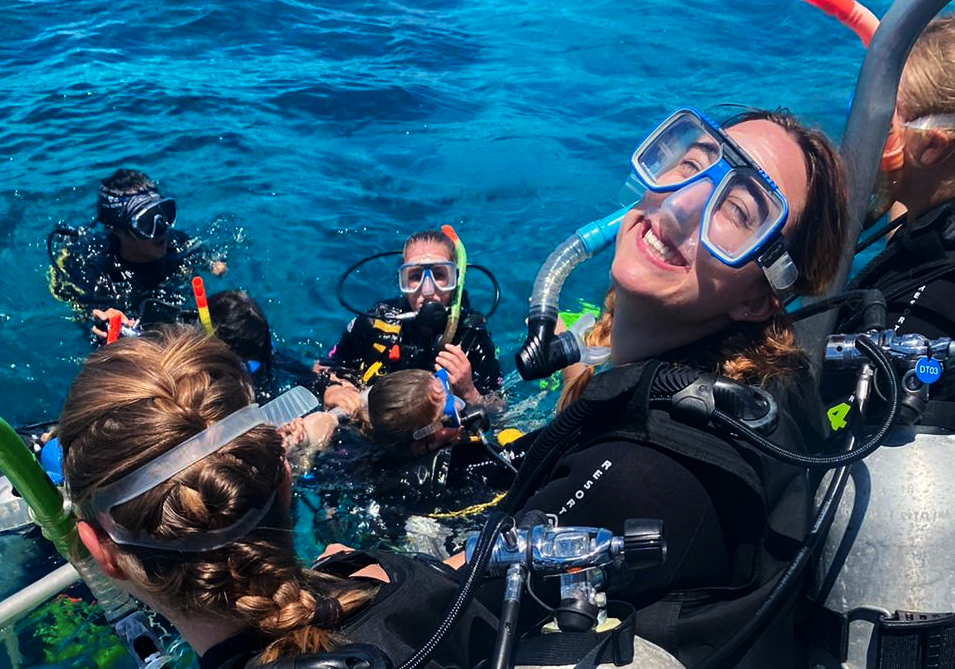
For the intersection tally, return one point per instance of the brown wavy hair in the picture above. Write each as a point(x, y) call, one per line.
point(759, 352)
point(138, 398)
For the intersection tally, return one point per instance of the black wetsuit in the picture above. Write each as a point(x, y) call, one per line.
point(358, 496)
point(92, 275)
point(283, 372)
point(733, 516)
point(916, 272)
point(399, 620)
point(370, 342)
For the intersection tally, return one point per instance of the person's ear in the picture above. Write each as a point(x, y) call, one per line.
point(758, 308)
point(100, 550)
point(933, 147)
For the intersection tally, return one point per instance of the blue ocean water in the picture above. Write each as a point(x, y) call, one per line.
point(308, 135)
point(317, 134)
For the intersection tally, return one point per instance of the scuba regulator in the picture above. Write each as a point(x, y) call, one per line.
point(432, 471)
point(920, 361)
point(580, 556)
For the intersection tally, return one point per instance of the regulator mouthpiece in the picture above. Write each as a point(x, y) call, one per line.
point(543, 353)
point(432, 316)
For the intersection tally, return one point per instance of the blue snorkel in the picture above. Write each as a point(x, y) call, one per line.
point(543, 353)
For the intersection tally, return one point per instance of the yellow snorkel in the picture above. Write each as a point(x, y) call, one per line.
point(461, 260)
point(199, 291)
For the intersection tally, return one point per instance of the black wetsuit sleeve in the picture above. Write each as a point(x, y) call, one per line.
point(354, 343)
point(608, 483)
point(81, 279)
point(479, 348)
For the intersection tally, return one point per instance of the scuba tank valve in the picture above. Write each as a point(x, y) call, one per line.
point(919, 360)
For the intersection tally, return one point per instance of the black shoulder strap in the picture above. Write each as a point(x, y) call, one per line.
point(585, 649)
point(939, 413)
point(929, 242)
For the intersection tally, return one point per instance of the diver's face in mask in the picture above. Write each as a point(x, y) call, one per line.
point(659, 261)
point(427, 252)
point(138, 250)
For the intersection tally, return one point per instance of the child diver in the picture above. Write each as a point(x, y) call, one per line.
point(422, 451)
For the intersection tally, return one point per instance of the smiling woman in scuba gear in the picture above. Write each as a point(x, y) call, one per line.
point(183, 489)
point(378, 343)
point(140, 256)
point(729, 220)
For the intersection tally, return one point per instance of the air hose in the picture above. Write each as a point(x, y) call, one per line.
point(731, 424)
point(474, 573)
point(557, 438)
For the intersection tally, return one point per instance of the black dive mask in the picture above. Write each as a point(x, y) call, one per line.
point(144, 214)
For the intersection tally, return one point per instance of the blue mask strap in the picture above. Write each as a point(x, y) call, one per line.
point(449, 408)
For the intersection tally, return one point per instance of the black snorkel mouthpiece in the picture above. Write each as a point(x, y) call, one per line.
point(433, 316)
point(474, 419)
point(543, 353)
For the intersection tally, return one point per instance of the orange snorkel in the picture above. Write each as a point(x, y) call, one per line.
point(199, 290)
point(115, 323)
point(852, 15)
point(864, 23)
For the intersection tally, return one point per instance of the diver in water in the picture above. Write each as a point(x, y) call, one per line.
point(183, 490)
point(916, 271)
point(729, 221)
point(139, 256)
point(421, 452)
point(373, 346)
point(429, 433)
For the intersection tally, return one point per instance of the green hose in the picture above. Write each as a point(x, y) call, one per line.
point(18, 464)
point(461, 260)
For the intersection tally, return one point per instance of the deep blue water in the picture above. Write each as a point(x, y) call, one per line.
point(314, 135)
point(319, 134)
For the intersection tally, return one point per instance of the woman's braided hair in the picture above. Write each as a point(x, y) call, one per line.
point(138, 398)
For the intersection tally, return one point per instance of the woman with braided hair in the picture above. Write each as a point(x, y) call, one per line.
point(183, 490)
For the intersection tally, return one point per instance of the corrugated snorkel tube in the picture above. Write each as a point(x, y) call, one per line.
point(543, 353)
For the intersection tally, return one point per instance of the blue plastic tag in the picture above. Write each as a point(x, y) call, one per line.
point(928, 370)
